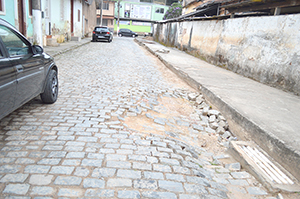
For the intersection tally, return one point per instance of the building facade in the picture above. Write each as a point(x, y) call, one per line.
point(108, 14)
point(139, 16)
point(19, 14)
point(59, 20)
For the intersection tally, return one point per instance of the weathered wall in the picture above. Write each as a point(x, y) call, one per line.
point(266, 49)
point(90, 17)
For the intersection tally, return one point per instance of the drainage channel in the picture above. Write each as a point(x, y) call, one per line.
point(264, 168)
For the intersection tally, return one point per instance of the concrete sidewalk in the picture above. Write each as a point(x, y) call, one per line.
point(65, 47)
point(265, 115)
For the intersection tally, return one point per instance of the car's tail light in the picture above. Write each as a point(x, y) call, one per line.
point(107, 33)
point(94, 32)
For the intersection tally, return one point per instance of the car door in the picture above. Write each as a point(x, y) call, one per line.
point(128, 33)
point(8, 83)
point(125, 32)
point(28, 66)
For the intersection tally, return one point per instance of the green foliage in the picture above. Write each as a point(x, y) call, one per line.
point(174, 11)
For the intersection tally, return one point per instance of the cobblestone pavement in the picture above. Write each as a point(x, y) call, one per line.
point(84, 145)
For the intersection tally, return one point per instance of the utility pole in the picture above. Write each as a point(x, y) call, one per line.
point(101, 11)
point(37, 22)
point(118, 20)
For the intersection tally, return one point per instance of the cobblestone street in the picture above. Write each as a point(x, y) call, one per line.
point(123, 127)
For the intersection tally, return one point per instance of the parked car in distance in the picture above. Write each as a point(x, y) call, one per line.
point(25, 71)
point(102, 33)
point(127, 33)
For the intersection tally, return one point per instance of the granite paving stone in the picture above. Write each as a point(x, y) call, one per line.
point(113, 133)
point(81, 171)
point(162, 168)
point(175, 177)
point(195, 188)
point(141, 166)
point(67, 180)
point(40, 179)
point(19, 189)
point(75, 155)
point(25, 161)
point(91, 162)
point(122, 173)
point(129, 194)
point(49, 161)
point(256, 191)
point(93, 183)
point(170, 186)
point(70, 192)
point(154, 175)
point(95, 156)
point(118, 164)
point(73, 162)
point(14, 178)
point(42, 191)
point(103, 172)
point(119, 182)
point(61, 170)
point(36, 169)
point(102, 193)
point(154, 194)
point(145, 184)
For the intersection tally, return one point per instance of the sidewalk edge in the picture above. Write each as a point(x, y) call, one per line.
point(240, 125)
point(70, 48)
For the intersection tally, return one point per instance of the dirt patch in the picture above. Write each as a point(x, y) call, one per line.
point(172, 109)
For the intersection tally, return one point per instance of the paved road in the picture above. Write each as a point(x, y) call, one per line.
point(81, 146)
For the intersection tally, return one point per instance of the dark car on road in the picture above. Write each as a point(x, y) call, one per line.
point(127, 33)
point(25, 71)
point(102, 33)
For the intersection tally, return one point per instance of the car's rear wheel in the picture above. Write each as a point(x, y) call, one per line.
point(51, 90)
point(120, 35)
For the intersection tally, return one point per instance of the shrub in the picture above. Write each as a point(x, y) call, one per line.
point(174, 11)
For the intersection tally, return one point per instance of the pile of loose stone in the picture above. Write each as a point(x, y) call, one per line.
point(212, 120)
point(204, 120)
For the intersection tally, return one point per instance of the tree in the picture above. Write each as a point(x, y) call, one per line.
point(174, 11)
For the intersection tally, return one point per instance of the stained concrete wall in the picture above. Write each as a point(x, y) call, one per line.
point(266, 49)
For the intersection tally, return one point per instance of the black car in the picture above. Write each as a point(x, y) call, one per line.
point(25, 71)
point(127, 33)
point(102, 33)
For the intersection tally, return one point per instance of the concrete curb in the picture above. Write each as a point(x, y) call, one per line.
point(247, 129)
point(70, 48)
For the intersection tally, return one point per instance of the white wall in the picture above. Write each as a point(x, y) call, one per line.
point(58, 13)
point(77, 24)
point(266, 49)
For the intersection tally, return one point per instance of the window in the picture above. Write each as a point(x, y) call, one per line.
point(160, 10)
point(147, 1)
point(104, 22)
point(14, 44)
point(105, 6)
point(30, 8)
point(78, 15)
point(2, 7)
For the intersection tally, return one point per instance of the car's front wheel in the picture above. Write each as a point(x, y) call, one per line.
point(133, 36)
point(49, 96)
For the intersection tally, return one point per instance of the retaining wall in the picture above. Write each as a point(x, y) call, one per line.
point(266, 49)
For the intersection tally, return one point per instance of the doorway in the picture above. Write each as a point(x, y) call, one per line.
point(72, 17)
point(21, 17)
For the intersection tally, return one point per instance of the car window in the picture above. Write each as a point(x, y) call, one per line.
point(101, 29)
point(1, 54)
point(13, 43)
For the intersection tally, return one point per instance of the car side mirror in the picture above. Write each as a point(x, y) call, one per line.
point(37, 49)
